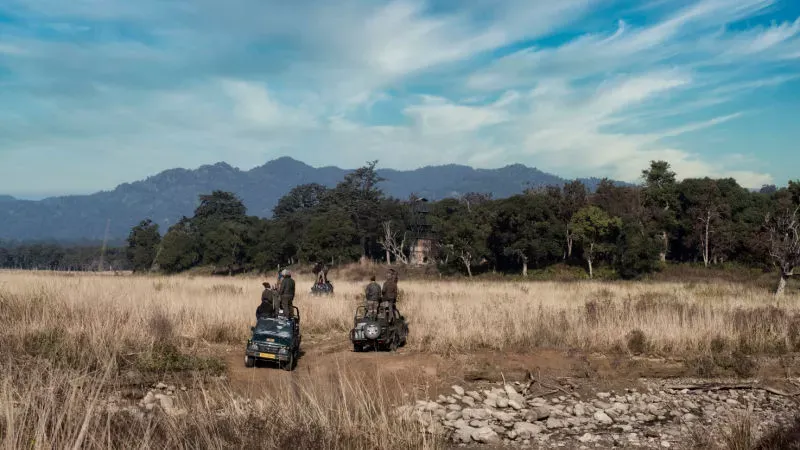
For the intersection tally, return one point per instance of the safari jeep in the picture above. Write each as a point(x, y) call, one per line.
point(378, 332)
point(275, 339)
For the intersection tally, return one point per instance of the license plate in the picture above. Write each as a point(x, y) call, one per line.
point(266, 355)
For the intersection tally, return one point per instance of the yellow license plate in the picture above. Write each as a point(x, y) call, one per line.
point(266, 355)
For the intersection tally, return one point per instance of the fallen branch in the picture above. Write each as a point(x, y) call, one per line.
point(730, 387)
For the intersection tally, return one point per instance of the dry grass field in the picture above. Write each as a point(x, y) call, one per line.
point(67, 340)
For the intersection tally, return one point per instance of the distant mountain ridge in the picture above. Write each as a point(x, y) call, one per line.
point(173, 193)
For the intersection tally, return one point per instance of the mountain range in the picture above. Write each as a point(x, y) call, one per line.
point(167, 196)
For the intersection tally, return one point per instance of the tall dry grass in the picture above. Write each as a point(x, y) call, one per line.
point(67, 340)
point(672, 318)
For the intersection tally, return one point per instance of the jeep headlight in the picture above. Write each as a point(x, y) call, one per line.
point(253, 346)
point(283, 351)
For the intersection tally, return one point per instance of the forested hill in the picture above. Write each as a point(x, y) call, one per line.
point(171, 194)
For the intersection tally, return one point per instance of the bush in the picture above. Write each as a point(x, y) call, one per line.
point(637, 342)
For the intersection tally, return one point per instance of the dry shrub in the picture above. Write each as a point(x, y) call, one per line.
point(738, 435)
point(793, 333)
point(637, 342)
point(223, 333)
point(225, 289)
point(42, 408)
point(783, 438)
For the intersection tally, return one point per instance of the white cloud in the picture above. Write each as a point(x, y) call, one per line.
point(189, 88)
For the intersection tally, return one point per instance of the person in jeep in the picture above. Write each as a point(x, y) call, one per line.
point(267, 308)
point(286, 293)
point(373, 297)
point(389, 293)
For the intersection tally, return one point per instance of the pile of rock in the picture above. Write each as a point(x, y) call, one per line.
point(656, 417)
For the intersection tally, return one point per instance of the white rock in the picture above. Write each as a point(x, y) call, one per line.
point(453, 415)
point(458, 390)
point(510, 391)
point(689, 417)
point(503, 416)
point(526, 430)
point(491, 402)
point(161, 386)
point(475, 395)
point(515, 405)
point(586, 438)
point(579, 410)
point(603, 395)
point(485, 435)
point(463, 435)
point(502, 403)
point(603, 418)
point(469, 401)
point(554, 424)
point(666, 444)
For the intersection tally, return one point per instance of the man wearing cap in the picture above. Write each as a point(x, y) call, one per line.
point(286, 293)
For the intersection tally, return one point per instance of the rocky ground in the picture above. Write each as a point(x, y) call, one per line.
point(659, 414)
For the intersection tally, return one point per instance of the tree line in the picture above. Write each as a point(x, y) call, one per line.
point(630, 230)
point(54, 256)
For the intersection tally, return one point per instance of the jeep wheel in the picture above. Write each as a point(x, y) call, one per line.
point(249, 361)
point(289, 365)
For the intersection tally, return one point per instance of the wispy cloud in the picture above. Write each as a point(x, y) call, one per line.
point(148, 85)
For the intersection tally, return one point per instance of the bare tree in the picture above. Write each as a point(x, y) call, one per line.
point(706, 219)
point(784, 244)
point(391, 246)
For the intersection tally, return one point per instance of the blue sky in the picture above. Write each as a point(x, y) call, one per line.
point(98, 92)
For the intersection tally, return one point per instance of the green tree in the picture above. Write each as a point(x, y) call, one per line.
point(219, 206)
point(304, 197)
point(143, 243)
point(594, 228)
point(463, 232)
point(637, 251)
point(179, 250)
point(661, 198)
point(331, 236)
point(526, 229)
point(359, 196)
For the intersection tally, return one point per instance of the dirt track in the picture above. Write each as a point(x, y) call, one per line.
point(417, 373)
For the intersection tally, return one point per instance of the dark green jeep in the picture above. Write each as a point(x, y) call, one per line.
point(275, 339)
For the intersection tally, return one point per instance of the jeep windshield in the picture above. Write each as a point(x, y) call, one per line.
point(274, 328)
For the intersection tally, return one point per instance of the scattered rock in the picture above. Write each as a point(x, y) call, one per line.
point(485, 435)
point(458, 390)
point(526, 430)
point(603, 418)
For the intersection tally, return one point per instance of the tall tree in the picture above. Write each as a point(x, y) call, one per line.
point(359, 196)
point(143, 243)
point(180, 248)
point(304, 197)
point(595, 229)
point(660, 196)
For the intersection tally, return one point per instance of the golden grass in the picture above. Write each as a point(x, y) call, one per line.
point(674, 318)
point(68, 339)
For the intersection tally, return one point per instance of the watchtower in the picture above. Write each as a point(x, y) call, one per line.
point(422, 234)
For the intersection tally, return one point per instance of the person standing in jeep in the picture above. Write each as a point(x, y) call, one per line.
point(373, 294)
point(389, 293)
point(267, 308)
point(286, 293)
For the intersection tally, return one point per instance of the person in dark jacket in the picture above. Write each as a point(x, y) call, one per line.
point(267, 306)
point(389, 293)
point(373, 295)
point(286, 293)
